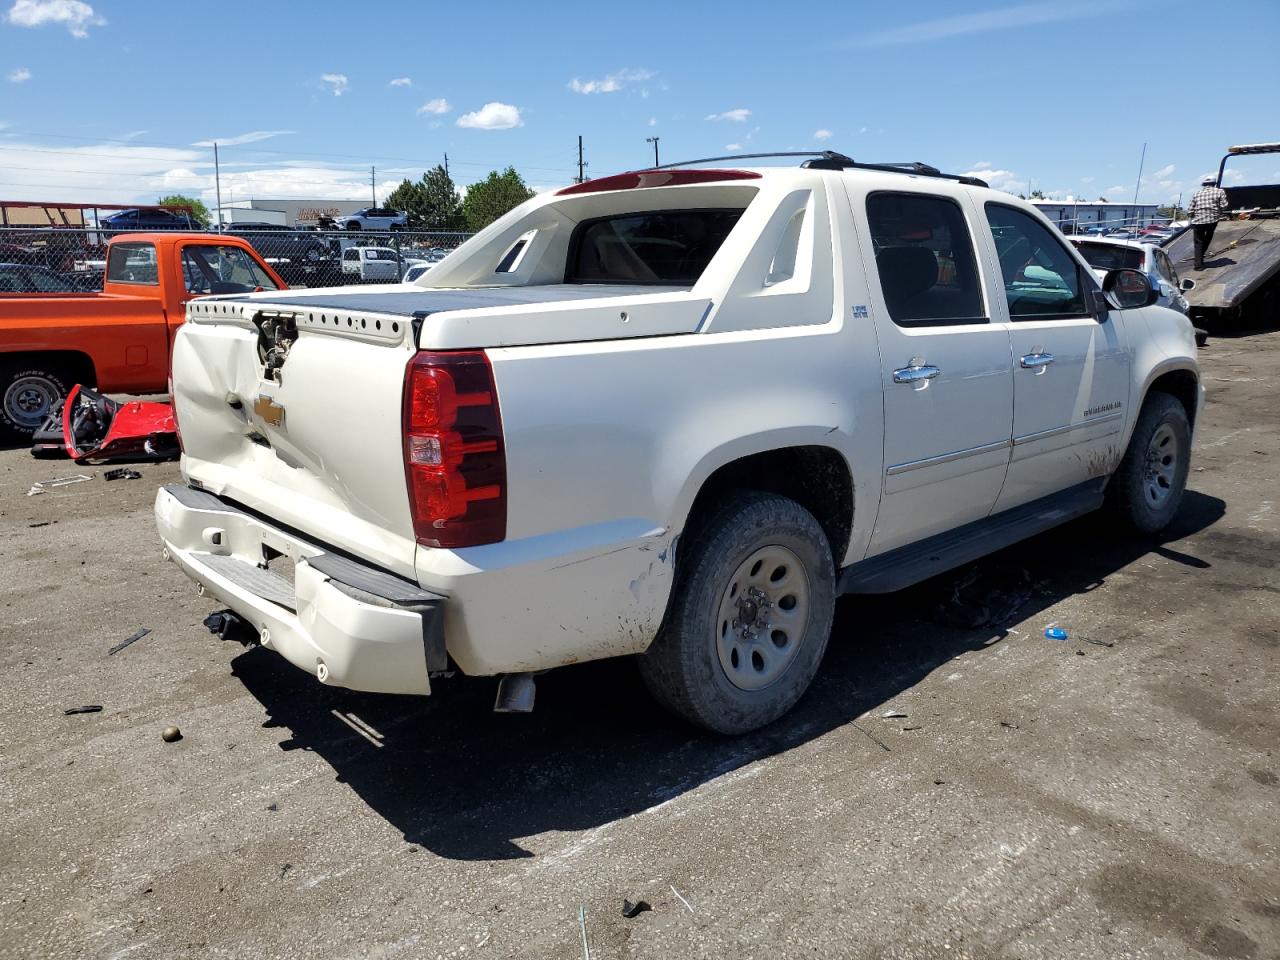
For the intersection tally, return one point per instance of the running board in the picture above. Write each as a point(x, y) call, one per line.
point(904, 566)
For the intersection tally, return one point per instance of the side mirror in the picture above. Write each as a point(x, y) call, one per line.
point(1187, 285)
point(1130, 288)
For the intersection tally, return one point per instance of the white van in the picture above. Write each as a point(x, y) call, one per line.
point(371, 263)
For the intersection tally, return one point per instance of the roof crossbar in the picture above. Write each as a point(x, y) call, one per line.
point(830, 160)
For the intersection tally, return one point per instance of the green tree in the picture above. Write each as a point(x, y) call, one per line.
point(493, 196)
point(1037, 194)
point(432, 202)
point(199, 212)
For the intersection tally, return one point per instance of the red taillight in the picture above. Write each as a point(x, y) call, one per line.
point(454, 462)
point(655, 178)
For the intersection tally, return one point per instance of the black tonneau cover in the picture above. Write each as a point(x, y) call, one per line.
point(423, 302)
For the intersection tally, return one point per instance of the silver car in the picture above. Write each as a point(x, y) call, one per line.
point(375, 218)
point(1108, 253)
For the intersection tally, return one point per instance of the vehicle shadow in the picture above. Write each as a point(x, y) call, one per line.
point(468, 784)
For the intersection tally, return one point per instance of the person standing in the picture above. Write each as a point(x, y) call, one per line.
point(1208, 206)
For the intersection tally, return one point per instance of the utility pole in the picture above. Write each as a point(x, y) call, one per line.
point(446, 163)
point(373, 190)
point(217, 181)
point(654, 141)
point(581, 166)
point(1141, 163)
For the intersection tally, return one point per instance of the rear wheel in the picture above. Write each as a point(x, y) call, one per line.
point(29, 390)
point(1147, 488)
point(749, 618)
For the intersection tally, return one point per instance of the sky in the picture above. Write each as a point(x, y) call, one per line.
point(119, 101)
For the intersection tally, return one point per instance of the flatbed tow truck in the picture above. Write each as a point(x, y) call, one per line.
point(1240, 283)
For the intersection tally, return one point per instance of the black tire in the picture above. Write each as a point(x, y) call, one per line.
point(29, 390)
point(1147, 487)
point(353, 225)
point(699, 663)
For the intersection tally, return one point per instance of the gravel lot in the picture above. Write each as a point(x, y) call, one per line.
point(1036, 799)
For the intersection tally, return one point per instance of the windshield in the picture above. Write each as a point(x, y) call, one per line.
point(664, 247)
point(218, 269)
point(1105, 256)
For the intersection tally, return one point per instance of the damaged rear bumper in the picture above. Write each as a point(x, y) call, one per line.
point(347, 623)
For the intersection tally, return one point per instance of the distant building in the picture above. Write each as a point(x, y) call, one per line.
point(1098, 213)
point(285, 212)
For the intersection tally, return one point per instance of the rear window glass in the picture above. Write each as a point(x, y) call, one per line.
point(925, 259)
point(132, 263)
point(1104, 256)
point(662, 247)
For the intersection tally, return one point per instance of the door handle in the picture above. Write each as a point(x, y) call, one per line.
point(1033, 360)
point(915, 373)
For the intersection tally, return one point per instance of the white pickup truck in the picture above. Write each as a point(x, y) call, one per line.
point(673, 414)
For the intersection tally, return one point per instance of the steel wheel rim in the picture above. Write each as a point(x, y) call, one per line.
point(763, 610)
point(29, 400)
point(1160, 468)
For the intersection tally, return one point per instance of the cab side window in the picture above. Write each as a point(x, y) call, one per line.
point(1041, 279)
point(925, 259)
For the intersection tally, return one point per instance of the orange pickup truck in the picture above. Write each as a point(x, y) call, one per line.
point(117, 340)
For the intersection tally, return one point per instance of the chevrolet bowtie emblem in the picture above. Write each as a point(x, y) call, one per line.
point(269, 410)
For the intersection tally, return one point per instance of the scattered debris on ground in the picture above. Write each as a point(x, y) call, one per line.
point(133, 639)
point(40, 486)
point(631, 910)
point(122, 473)
point(170, 734)
point(87, 708)
point(1100, 643)
point(1055, 633)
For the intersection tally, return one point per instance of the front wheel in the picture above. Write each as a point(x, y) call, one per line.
point(1147, 488)
point(28, 393)
point(749, 618)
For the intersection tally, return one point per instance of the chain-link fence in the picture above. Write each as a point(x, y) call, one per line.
point(71, 260)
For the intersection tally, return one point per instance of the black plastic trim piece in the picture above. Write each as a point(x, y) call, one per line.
point(903, 566)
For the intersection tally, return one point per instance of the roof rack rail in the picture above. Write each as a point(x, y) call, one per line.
point(830, 160)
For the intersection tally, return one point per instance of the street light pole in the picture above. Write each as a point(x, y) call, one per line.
point(217, 181)
point(654, 141)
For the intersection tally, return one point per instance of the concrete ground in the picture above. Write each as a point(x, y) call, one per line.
point(1036, 799)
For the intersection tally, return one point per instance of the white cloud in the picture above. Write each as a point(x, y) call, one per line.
point(611, 83)
point(733, 146)
point(1088, 179)
point(737, 115)
point(437, 106)
point(862, 129)
point(653, 121)
point(337, 82)
point(1164, 173)
point(401, 82)
point(75, 15)
point(985, 21)
point(822, 134)
point(252, 136)
point(1005, 180)
point(492, 116)
point(1119, 188)
point(20, 75)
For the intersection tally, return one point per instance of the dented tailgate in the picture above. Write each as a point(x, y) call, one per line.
point(299, 420)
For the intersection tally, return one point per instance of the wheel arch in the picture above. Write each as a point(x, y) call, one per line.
point(1178, 379)
point(78, 365)
point(815, 475)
